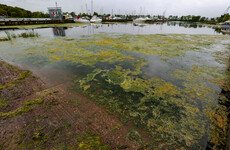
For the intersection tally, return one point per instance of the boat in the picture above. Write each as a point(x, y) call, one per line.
point(140, 20)
point(81, 20)
point(225, 27)
point(95, 19)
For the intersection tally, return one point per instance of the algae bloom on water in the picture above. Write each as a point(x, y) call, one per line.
point(167, 85)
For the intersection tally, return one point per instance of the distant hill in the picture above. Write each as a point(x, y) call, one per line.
point(16, 12)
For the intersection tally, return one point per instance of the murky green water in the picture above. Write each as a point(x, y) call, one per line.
point(167, 84)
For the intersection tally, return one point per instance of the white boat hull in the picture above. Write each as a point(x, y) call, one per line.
point(95, 20)
point(81, 21)
point(139, 21)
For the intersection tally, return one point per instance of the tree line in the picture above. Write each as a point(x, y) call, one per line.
point(16, 12)
point(193, 18)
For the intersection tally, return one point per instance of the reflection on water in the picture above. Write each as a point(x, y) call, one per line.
point(59, 31)
point(124, 28)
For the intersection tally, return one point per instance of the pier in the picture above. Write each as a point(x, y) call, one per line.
point(30, 21)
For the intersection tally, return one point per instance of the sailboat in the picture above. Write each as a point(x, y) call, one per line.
point(81, 20)
point(94, 19)
point(140, 20)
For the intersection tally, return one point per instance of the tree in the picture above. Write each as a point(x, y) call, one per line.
point(20, 13)
point(202, 19)
point(36, 15)
point(73, 14)
point(3, 12)
point(95, 14)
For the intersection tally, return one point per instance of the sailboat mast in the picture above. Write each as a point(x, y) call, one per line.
point(91, 7)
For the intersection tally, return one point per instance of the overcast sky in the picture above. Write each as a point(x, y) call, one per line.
point(208, 8)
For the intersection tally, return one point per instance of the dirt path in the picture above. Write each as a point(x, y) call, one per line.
point(32, 116)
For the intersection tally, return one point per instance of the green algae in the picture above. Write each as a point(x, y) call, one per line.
point(173, 109)
point(4, 39)
point(20, 77)
point(3, 103)
point(28, 34)
point(28, 106)
point(10, 66)
point(134, 136)
point(91, 141)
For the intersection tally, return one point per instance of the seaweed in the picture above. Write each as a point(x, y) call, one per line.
point(171, 102)
point(28, 106)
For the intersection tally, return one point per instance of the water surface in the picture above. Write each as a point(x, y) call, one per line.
point(165, 78)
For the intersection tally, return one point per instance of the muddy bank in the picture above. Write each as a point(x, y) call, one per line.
point(32, 116)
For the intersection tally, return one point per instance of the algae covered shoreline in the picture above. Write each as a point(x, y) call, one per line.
point(167, 84)
point(33, 116)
